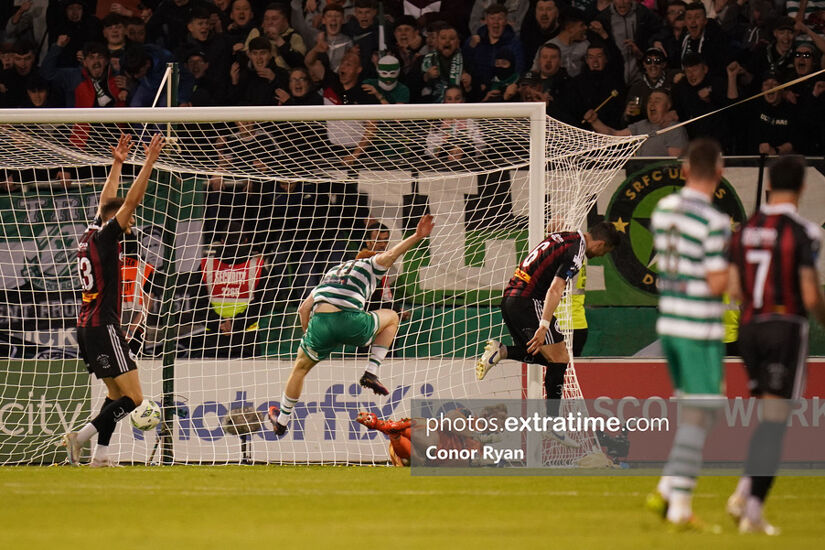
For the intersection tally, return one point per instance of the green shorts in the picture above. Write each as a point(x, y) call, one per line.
point(696, 366)
point(329, 331)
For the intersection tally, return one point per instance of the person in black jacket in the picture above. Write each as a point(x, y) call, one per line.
point(697, 93)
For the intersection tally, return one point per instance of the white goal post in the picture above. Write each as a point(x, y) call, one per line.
point(485, 171)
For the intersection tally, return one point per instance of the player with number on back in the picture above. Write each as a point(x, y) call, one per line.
point(773, 272)
point(333, 315)
point(529, 304)
point(99, 334)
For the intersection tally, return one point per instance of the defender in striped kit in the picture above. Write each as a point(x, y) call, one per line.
point(690, 237)
point(333, 315)
point(100, 338)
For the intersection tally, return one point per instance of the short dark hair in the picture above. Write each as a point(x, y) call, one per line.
point(112, 19)
point(259, 43)
point(333, 7)
point(109, 207)
point(95, 47)
point(550, 46)
point(570, 16)
point(696, 6)
point(607, 232)
point(279, 7)
point(703, 155)
point(24, 47)
point(134, 58)
point(787, 173)
point(495, 8)
point(381, 228)
point(365, 4)
point(198, 12)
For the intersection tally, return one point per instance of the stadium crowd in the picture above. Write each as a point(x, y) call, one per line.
point(700, 56)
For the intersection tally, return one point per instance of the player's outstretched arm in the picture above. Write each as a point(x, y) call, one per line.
point(424, 228)
point(551, 302)
point(138, 188)
point(119, 155)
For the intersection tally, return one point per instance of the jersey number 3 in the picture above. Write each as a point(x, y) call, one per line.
point(87, 278)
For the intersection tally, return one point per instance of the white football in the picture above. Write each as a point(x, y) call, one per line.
point(146, 416)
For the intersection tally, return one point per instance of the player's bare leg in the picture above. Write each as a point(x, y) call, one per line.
point(279, 416)
point(387, 328)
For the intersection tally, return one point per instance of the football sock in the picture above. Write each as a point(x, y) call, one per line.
point(110, 414)
point(101, 452)
point(764, 451)
point(287, 405)
point(664, 487)
point(753, 509)
point(679, 507)
point(743, 488)
point(516, 353)
point(683, 466)
point(377, 355)
point(553, 386)
point(104, 433)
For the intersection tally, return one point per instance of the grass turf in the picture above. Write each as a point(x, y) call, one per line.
point(368, 507)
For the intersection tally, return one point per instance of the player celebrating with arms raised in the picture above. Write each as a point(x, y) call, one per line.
point(99, 334)
point(530, 301)
point(333, 315)
point(773, 273)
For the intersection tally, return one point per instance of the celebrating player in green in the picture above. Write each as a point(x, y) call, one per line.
point(333, 315)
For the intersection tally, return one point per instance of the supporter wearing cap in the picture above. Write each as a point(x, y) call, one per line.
point(697, 92)
point(776, 57)
point(655, 75)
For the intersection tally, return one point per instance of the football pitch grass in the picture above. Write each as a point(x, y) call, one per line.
point(332, 507)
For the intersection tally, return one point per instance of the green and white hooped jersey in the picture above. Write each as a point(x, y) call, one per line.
point(690, 237)
point(349, 285)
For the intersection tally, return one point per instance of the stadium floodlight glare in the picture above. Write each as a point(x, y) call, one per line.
point(493, 175)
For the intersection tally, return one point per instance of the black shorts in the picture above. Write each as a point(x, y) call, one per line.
point(774, 352)
point(522, 316)
point(105, 351)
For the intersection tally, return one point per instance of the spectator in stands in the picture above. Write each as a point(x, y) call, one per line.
point(363, 30)
point(669, 39)
point(38, 93)
point(408, 45)
point(705, 38)
point(655, 76)
point(539, 27)
point(481, 50)
point(776, 57)
point(241, 22)
point(770, 124)
point(443, 67)
point(669, 144)
point(595, 84)
point(504, 83)
point(79, 28)
point(288, 47)
point(198, 37)
point(91, 85)
point(808, 98)
point(553, 76)
point(386, 88)
point(98, 87)
point(631, 27)
point(330, 43)
point(349, 139)
point(114, 36)
point(143, 68)
point(20, 26)
point(514, 13)
point(13, 80)
point(201, 90)
point(452, 140)
point(301, 91)
point(572, 42)
point(136, 30)
point(255, 82)
point(698, 93)
point(730, 19)
point(169, 22)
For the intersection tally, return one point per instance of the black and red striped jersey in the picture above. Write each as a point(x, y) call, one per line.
point(768, 252)
point(559, 255)
point(98, 264)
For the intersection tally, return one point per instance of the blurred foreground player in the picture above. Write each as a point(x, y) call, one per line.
point(100, 337)
point(690, 236)
point(333, 315)
point(773, 272)
point(529, 304)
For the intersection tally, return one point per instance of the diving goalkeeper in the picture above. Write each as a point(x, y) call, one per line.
point(333, 315)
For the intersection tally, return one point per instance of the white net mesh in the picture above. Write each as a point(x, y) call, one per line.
point(239, 222)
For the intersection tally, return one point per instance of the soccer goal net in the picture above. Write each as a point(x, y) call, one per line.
point(246, 209)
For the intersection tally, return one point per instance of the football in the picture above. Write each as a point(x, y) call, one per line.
point(146, 416)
